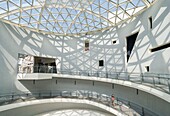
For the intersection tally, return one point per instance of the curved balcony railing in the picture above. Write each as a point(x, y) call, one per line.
point(123, 106)
point(158, 81)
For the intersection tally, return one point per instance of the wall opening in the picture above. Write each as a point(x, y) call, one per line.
point(101, 62)
point(34, 82)
point(113, 86)
point(86, 45)
point(113, 42)
point(35, 64)
point(150, 22)
point(130, 44)
point(137, 91)
point(161, 47)
point(147, 68)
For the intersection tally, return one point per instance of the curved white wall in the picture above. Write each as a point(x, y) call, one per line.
point(31, 108)
point(149, 99)
point(70, 50)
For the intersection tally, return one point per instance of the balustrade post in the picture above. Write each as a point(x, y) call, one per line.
point(143, 113)
point(12, 96)
point(154, 80)
point(169, 85)
point(142, 79)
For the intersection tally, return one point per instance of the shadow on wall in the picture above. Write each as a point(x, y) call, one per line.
point(149, 38)
point(70, 50)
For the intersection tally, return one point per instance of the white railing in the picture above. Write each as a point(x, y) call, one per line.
point(121, 105)
point(151, 79)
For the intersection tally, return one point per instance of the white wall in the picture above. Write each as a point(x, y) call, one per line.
point(70, 50)
point(32, 108)
point(144, 99)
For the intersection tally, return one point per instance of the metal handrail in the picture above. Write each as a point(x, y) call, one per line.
point(119, 103)
point(153, 79)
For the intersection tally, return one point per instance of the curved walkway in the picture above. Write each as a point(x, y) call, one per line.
point(61, 103)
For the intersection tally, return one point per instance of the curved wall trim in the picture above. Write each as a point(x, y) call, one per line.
point(27, 108)
point(140, 86)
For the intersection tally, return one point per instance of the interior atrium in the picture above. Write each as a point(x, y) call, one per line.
point(84, 57)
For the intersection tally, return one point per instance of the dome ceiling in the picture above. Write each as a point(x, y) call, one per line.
point(69, 17)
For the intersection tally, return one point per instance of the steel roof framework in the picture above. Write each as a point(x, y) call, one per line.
point(70, 17)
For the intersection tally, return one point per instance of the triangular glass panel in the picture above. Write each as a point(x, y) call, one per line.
point(50, 18)
point(37, 10)
point(60, 18)
point(17, 2)
point(141, 4)
point(12, 17)
point(24, 3)
point(64, 11)
point(24, 14)
point(118, 19)
point(130, 6)
point(33, 20)
point(23, 21)
point(35, 17)
point(2, 11)
point(113, 10)
point(15, 21)
point(12, 6)
point(124, 5)
point(3, 5)
point(29, 2)
point(34, 25)
point(94, 7)
point(135, 2)
point(105, 4)
point(41, 27)
point(130, 12)
point(50, 27)
point(53, 10)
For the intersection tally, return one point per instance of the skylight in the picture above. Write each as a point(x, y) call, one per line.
point(70, 17)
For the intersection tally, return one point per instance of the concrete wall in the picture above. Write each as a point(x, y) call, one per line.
point(70, 54)
point(144, 99)
point(31, 108)
point(69, 51)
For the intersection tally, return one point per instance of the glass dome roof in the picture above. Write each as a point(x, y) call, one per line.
point(70, 17)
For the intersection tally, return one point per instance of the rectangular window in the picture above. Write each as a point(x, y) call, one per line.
point(147, 68)
point(34, 64)
point(101, 63)
point(44, 65)
point(86, 45)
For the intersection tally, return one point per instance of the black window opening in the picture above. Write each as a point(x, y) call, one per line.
point(150, 22)
point(130, 44)
point(86, 45)
point(147, 68)
point(114, 41)
point(101, 63)
point(161, 47)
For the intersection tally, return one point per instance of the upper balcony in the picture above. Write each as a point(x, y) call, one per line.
point(158, 81)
